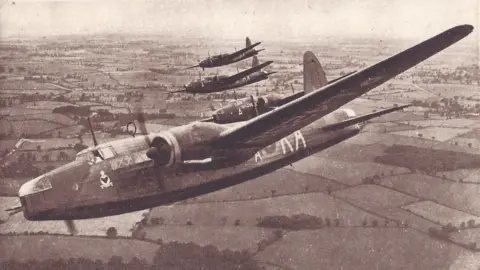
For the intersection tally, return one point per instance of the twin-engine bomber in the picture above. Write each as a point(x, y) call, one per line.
point(201, 157)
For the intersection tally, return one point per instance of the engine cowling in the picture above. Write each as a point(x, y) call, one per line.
point(186, 144)
point(165, 150)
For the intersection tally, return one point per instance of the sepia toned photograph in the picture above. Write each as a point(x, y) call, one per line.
point(248, 134)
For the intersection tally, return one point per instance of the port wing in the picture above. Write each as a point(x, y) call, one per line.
point(284, 120)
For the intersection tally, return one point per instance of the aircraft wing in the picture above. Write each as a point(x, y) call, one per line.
point(274, 125)
point(247, 72)
point(237, 53)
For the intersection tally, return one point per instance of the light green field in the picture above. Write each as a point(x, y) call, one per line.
point(439, 213)
point(456, 195)
point(452, 123)
point(98, 226)
point(434, 133)
point(281, 182)
point(374, 196)
point(247, 212)
point(27, 247)
point(223, 237)
point(348, 173)
point(371, 248)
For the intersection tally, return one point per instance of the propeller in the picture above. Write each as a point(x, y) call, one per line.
point(72, 229)
point(159, 151)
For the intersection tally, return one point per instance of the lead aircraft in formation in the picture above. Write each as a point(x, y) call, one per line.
point(182, 162)
point(230, 58)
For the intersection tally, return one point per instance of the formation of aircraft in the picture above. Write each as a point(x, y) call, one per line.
point(230, 58)
point(155, 169)
point(223, 82)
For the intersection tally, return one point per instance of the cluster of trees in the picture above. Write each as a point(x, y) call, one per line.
point(19, 169)
point(448, 107)
point(171, 255)
point(444, 232)
point(463, 75)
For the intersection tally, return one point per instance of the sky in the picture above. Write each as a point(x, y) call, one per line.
point(259, 19)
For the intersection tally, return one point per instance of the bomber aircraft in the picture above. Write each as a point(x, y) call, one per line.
point(229, 58)
point(223, 82)
point(182, 162)
point(246, 108)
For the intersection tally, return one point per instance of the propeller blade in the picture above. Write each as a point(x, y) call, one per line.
point(72, 229)
point(14, 210)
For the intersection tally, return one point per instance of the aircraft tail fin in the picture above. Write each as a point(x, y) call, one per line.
point(254, 61)
point(248, 43)
point(313, 74)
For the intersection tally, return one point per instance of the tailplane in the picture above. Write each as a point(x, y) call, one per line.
point(248, 43)
point(313, 74)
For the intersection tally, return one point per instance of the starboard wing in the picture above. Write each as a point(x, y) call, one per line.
point(284, 120)
point(247, 72)
point(237, 53)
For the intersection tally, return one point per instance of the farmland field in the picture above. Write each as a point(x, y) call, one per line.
point(280, 182)
point(452, 194)
point(379, 248)
point(46, 105)
point(347, 173)
point(223, 237)
point(440, 134)
point(439, 213)
point(30, 127)
point(97, 226)
point(49, 117)
point(26, 247)
point(451, 123)
point(247, 212)
point(374, 196)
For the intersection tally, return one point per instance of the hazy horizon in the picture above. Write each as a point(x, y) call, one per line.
point(229, 19)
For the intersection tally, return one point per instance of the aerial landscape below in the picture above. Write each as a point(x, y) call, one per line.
point(388, 180)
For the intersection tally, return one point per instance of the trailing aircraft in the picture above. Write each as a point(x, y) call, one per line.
point(230, 58)
point(223, 82)
point(182, 162)
point(246, 108)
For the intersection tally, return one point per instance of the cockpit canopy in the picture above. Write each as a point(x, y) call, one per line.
point(96, 155)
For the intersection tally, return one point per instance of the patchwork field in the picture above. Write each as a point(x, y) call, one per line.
point(455, 195)
point(248, 212)
point(374, 196)
point(92, 227)
point(440, 134)
point(223, 237)
point(374, 249)
point(281, 182)
point(439, 213)
point(347, 173)
point(26, 247)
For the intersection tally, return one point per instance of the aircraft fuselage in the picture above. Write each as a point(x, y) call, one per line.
point(131, 182)
point(218, 86)
point(227, 60)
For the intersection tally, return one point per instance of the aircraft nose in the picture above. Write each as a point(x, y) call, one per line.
point(36, 185)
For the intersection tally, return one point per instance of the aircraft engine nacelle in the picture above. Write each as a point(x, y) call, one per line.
point(164, 150)
point(266, 103)
point(184, 144)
